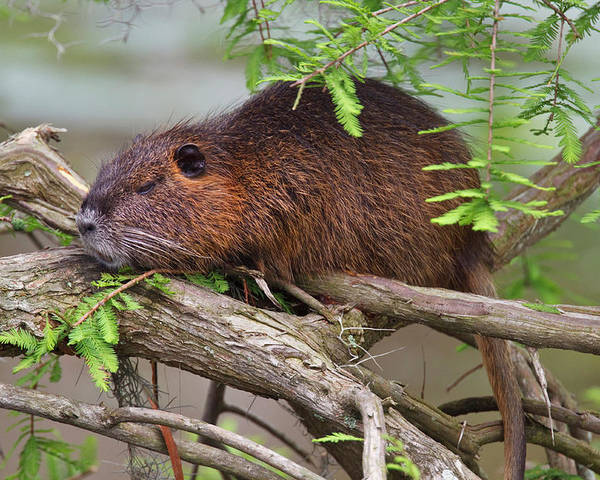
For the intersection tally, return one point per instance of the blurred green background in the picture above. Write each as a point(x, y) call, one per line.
point(105, 91)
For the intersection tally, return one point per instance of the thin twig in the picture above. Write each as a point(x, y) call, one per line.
point(155, 390)
point(299, 294)
point(396, 7)
point(387, 67)
point(424, 372)
point(463, 376)
point(365, 43)
point(260, 28)
point(491, 101)
point(541, 377)
point(468, 25)
point(558, 63)
point(121, 289)
point(562, 15)
point(38, 244)
point(268, 47)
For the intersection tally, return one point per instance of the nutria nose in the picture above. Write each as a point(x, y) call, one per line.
point(87, 221)
point(86, 227)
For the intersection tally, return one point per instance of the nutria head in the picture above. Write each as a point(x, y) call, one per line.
point(167, 201)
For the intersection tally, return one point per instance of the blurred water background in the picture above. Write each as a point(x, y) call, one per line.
point(105, 91)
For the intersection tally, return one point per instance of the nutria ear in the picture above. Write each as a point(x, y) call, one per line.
point(190, 160)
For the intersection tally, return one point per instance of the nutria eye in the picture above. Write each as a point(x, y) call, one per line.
point(190, 160)
point(146, 187)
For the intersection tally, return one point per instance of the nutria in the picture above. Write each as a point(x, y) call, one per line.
point(290, 193)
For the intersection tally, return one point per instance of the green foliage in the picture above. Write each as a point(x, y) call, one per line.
point(19, 338)
point(399, 463)
point(337, 437)
point(29, 224)
point(536, 274)
point(160, 282)
point(214, 280)
point(360, 37)
point(541, 473)
point(62, 459)
point(591, 217)
point(541, 307)
point(39, 445)
point(592, 395)
point(93, 339)
point(347, 107)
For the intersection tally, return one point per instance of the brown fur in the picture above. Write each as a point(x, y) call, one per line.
point(291, 193)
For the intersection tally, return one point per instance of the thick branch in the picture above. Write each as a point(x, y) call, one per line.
point(39, 179)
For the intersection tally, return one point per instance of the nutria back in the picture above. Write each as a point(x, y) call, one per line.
point(290, 192)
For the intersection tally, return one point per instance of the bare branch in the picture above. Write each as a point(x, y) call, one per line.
point(306, 456)
point(587, 420)
point(457, 312)
point(95, 418)
point(174, 420)
point(212, 409)
point(373, 419)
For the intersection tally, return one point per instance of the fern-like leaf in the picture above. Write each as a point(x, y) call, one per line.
point(337, 437)
point(19, 338)
point(347, 106)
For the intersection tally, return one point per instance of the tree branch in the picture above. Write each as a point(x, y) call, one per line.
point(456, 312)
point(174, 420)
point(373, 420)
point(586, 420)
point(305, 455)
point(94, 418)
point(39, 179)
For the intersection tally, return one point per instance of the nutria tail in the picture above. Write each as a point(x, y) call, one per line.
point(496, 359)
